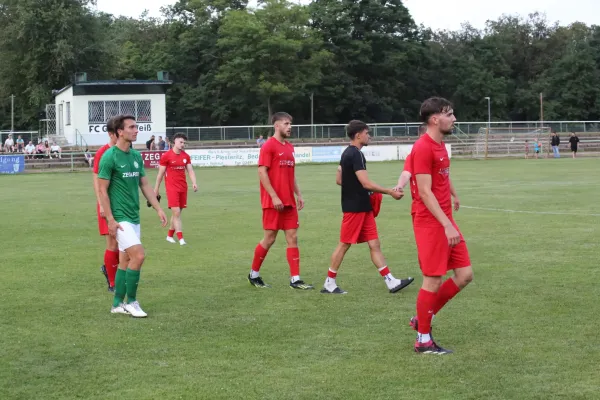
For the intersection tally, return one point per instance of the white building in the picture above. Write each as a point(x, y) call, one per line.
point(82, 108)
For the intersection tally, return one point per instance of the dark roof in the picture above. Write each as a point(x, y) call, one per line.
point(115, 87)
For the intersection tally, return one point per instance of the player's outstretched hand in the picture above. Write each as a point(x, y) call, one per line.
point(456, 204)
point(300, 201)
point(452, 235)
point(162, 216)
point(398, 188)
point(397, 194)
point(277, 203)
point(195, 187)
point(113, 226)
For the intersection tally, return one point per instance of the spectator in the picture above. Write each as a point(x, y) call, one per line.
point(47, 149)
point(29, 150)
point(89, 157)
point(574, 140)
point(20, 144)
point(526, 149)
point(537, 148)
point(260, 141)
point(150, 143)
point(40, 150)
point(9, 144)
point(55, 149)
point(555, 142)
point(161, 143)
point(167, 143)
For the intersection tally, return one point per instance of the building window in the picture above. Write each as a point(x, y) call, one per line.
point(96, 112)
point(68, 113)
point(100, 111)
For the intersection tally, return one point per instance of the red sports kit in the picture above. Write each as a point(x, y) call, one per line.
point(175, 179)
point(279, 159)
point(436, 257)
point(102, 224)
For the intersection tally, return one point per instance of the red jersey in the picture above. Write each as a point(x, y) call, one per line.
point(430, 157)
point(407, 166)
point(279, 159)
point(175, 179)
point(98, 156)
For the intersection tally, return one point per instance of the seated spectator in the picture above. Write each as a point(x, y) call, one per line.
point(55, 149)
point(40, 150)
point(20, 144)
point(9, 144)
point(89, 157)
point(47, 149)
point(260, 141)
point(29, 150)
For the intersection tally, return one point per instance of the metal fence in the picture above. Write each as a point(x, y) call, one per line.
point(327, 131)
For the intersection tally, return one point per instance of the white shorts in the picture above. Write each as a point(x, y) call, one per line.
point(129, 236)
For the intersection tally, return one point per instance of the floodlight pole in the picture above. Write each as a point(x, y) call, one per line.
point(312, 113)
point(12, 112)
point(487, 132)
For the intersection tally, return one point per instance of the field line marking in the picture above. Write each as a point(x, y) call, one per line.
point(529, 212)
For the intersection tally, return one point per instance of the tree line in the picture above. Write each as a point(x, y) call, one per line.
point(234, 65)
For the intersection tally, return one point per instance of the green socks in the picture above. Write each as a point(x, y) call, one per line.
point(132, 278)
point(120, 287)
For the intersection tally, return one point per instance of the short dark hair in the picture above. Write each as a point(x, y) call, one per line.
point(433, 105)
point(278, 116)
point(422, 129)
point(110, 125)
point(119, 122)
point(179, 136)
point(355, 126)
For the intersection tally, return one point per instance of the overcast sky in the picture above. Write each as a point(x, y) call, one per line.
point(436, 14)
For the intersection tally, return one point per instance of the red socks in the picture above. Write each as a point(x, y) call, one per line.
point(111, 263)
point(171, 232)
point(331, 274)
point(447, 291)
point(179, 235)
point(425, 302)
point(259, 256)
point(293, 257)
point(384, 271)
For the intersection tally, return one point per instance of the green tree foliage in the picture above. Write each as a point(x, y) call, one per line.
point(234, 65)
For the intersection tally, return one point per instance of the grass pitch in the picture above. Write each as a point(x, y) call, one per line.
point(524, 329)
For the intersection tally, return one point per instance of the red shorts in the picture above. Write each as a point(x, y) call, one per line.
point(176, 199)
point(358, 227)
point(102, 224)
point(274, 220)
point(436, 258)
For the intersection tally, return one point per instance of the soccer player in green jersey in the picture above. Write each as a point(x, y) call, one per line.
point(120, 177)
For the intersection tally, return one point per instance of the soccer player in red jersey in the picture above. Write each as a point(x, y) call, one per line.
point(358, 223)
point(111, 253)
point(440, 245)
point(278, 184)
point(173, 165)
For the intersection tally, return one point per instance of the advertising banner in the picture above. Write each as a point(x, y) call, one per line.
point(327, 153)
point(380, 153)
point(12, 164)
point(151, 158)
point(223, 157)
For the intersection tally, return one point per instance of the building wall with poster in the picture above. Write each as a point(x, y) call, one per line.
point(83, 108)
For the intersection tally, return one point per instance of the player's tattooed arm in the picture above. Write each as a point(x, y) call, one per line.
point(403, 180)
point(338, 175)
point(266, 182)
point(363, 178)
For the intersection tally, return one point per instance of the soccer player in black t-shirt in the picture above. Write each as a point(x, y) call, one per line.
point(358, 223)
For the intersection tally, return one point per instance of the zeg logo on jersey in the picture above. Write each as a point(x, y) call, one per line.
point(131, 174)
point(445, 171)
